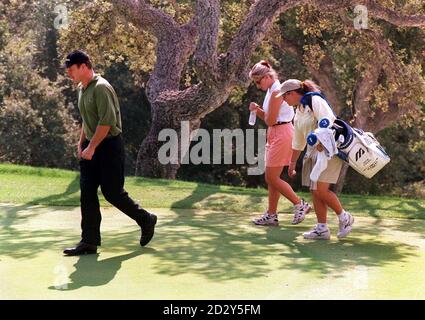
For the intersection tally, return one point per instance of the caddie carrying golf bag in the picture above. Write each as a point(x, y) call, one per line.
point(359, 149)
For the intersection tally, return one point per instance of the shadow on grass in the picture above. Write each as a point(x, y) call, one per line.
point(222, 246)
point(379, 209)
point(19, 243)
point(216, 198)
point(324, 258)
point(10, 213)
point(62, 198)
point(217, 245)
point(92, 272)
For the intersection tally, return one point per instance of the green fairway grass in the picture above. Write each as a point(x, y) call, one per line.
point(53, 187)
point(202, 254)
point(205, 246)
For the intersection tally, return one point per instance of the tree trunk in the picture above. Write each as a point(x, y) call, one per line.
point(217, 73)
point(148, 164)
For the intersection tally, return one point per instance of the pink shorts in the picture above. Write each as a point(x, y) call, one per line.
point(279, 145)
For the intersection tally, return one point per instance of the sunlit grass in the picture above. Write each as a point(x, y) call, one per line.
point(54, 187)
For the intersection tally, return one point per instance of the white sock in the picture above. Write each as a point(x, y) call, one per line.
point(322, 226)
point(343, 216)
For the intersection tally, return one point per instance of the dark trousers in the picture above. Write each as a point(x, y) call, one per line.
point(106, 169)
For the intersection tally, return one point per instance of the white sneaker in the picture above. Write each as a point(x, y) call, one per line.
point(300, 210)
point(266, 220)
point(345, 226)
point(318, 234)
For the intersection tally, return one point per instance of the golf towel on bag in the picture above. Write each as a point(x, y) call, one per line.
point(359, 149)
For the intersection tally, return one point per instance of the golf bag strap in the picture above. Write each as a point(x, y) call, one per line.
point(307, 98)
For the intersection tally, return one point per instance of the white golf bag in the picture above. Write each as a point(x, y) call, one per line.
point(359, 149)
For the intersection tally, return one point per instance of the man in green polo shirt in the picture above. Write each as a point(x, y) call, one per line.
point(101, 154)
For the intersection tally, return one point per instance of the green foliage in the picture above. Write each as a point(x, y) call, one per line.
point(233, 14)
point(94, 27)
point(38, 107)
point(35, 125)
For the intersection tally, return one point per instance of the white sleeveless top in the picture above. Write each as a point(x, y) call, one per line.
point(286, 112)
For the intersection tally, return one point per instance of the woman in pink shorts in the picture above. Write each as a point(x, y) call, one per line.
point(278, 115)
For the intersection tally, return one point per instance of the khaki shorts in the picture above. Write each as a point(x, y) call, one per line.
point(330, 175)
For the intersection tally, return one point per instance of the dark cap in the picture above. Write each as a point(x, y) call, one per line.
point(77, 57)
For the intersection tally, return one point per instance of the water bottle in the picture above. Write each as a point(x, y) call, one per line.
point(252, 118)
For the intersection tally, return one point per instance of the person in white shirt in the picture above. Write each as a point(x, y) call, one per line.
point(295, 93)
point(278, 115)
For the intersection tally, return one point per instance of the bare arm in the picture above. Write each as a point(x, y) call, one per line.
point(82, 137)
point(274, 107)
point(294, 158)
point(255, 107)
point(99, 135)
point(80, 142)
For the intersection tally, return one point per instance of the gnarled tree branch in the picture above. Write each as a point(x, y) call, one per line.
point(252, 31)
point(384, 60)
point(394, 17)
point(146, 17)
point(323, 75)
point(175, 43)
point(218, 75)
point(208, 20)
point(375, 10)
